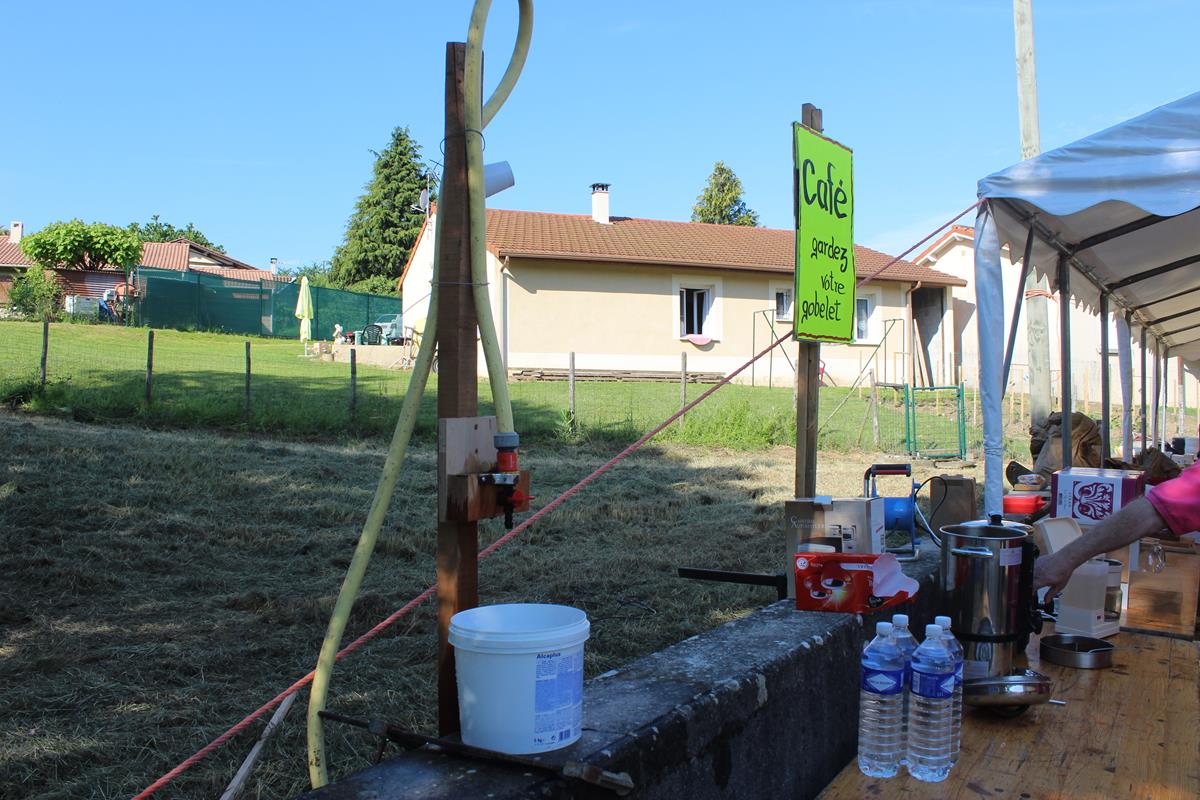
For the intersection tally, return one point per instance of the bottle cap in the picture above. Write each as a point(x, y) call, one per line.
point(883, 628)
point(943, 621)
point(933, 631)
point(900, 619)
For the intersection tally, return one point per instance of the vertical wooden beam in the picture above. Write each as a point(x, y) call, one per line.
point(682, 383)
point(808, 363)
point(45, 351)
point(353, 385)
point(457, 542)
point(571, 388)
point(149, 366)
point(248, 379)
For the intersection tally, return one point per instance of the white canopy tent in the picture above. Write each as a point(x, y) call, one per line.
point(1114, 221)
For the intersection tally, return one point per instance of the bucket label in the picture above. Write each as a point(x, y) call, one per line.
point(933, 685)
point(558, 698)
point(883, 681)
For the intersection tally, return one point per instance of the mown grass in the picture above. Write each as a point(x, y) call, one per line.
point(99, 373)
point(159, 585)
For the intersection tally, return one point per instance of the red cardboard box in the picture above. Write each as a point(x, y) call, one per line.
point(1089, 495)
point(850, 582)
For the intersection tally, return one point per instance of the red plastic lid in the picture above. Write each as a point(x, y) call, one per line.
point(1022, 503)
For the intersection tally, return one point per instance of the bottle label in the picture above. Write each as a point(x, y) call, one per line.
point(933, 685)
point(883, 681)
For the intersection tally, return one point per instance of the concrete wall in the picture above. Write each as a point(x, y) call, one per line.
point(762, 707)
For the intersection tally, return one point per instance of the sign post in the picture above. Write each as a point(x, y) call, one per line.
point(823, 304)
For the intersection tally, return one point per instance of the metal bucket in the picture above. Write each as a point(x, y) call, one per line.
point(986, 584)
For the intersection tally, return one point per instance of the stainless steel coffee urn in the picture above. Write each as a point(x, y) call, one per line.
point(986, 583)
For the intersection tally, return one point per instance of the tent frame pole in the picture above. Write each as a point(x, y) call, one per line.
point(1064, 341)
point(1156, 422)
point(1105, 388)
point(1016, 315)
point(1145, 405)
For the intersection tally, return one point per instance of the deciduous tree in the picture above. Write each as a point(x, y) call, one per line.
point(721, 201)
point(386, 219)
point(77, 245)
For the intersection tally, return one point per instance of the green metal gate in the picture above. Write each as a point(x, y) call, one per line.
point(935, 421)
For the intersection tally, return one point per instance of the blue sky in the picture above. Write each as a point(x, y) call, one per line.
point(255, 120)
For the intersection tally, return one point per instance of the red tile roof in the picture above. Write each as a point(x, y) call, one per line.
point(951, 232)
point(529, 234)
point(176, 255)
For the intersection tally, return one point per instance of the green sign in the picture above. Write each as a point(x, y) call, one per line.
point(823, 309)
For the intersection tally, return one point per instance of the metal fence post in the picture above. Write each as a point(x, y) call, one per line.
point(571, 388)
point(353, 385)
point(149, 365)
point(45, 349)
point(247, 380)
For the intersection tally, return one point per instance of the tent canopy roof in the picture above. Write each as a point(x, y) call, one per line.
point(1124, 205)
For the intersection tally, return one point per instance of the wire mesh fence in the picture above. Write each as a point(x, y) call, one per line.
point(190, 378)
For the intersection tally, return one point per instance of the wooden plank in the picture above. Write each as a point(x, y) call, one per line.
point(1129, 731)
point(457, 542)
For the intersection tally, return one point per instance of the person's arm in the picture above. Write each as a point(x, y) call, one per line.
point(1139, 518)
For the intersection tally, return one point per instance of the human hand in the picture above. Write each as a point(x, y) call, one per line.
point(1051, 571)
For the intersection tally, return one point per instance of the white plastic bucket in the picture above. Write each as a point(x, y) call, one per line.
point(520, 676)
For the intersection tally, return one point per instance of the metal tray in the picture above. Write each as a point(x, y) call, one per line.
point(1021, 688)
point(1080, 652)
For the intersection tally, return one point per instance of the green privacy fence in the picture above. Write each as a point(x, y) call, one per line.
point(204, 302)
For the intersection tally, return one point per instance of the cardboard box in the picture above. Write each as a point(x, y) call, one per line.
point(1089, 495)
point(851, 583)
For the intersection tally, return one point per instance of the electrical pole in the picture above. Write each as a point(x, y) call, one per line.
point(1036, 289)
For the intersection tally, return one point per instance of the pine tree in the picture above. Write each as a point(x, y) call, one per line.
point(721, 201)
point(386, 220)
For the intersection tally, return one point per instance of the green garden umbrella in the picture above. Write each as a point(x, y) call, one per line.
point(304, 312)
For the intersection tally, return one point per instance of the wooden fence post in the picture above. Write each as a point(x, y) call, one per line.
point(149, 366)
point(45, 348)
point(353, 385)
point(875, 411)
point(247, 380)
point(571, 389)
point(682, 383)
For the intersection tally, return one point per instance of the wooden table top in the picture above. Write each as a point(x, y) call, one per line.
point(1132, 731)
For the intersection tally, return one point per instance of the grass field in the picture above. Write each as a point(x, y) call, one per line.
point(98, 373)
point(161, 584)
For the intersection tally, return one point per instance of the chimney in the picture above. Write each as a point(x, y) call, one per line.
point(16, 229)
point(600, 203)
point(274, 265)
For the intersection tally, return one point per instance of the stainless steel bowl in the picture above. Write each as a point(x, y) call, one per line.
point(1008, 694)
point(1080, 652)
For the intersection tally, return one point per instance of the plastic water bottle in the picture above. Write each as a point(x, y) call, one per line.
point(907, 644)
point(881, 705)
point(956, 650)
point(931, 708)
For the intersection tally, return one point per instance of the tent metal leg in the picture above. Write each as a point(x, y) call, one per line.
point(1155, 434)
point(1145, 404)
point(1105, 388)
point(1064, 337)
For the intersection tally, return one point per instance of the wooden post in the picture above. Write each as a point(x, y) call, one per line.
point(247, 380)
point(682, 383)
point(353, 385)
point(571, 388)
point(875, 410)
point(149, 366)
point(457, 542)
point(45, 350)
point(808, 382)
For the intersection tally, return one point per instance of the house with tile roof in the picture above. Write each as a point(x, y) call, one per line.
point(632, 294)
point(954, 253)
point(180, 255)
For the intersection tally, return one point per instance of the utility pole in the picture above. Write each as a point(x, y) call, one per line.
point(1036, 289)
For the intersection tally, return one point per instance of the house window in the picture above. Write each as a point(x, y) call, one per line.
point(862, 318)
point(783, 305)
point(694, 305)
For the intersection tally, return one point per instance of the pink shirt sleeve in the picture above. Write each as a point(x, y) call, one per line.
point(1178, 501)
